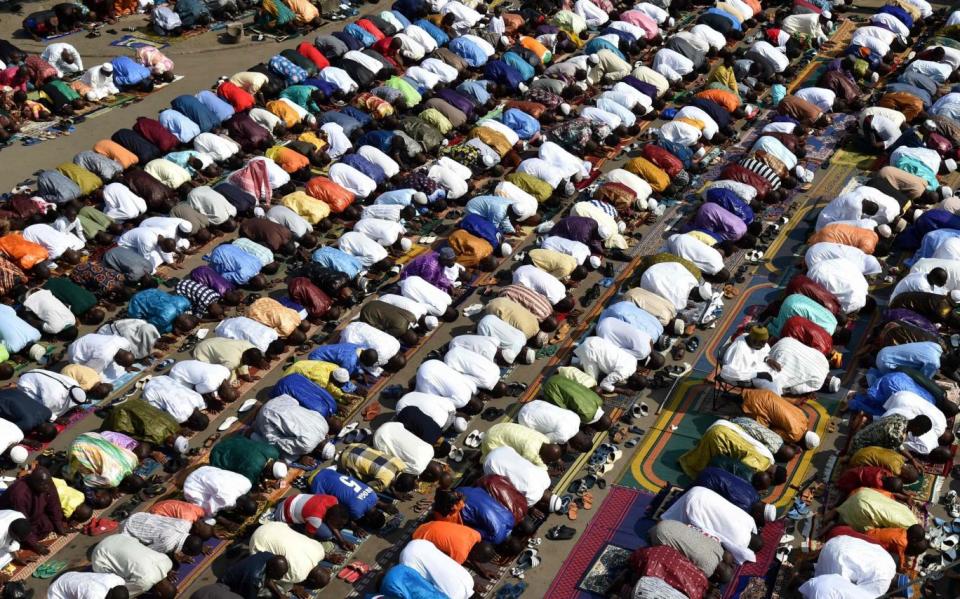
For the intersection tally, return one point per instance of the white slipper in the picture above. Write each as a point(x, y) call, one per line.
point(202, 334)
point(786, 539)
point(615, 455)
point(227, 423)
point(473, 439)
point(247, 405)
point(456, 454)
point(347, 430)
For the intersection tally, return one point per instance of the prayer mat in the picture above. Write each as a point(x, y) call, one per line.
point(605, 570)
point(147, 33)
point(766, 567)
point(135, 41)
point(852, 155)
point(57, 36)
point(619, 525)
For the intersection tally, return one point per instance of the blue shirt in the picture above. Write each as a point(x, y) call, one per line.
point(307, 393)
point(357, 496)
point(899, 13)
point(502, 72)
point(16, 332)
point(221, 109)
point(127, 72)
point(481, 227)
point(177, 123)
point(733, 20)
point(379, 139)
point(880, 391)
point(366, 167)
point(476, 89)
point(158, 308)
point(439, 35)
point(485, 514)
point(522, 123)
point(347, 122)
point(922, 355)
point(525, 69)
point(396, 197)
point(357, 114)
point(234, 264)
point(930, 242)
point(338, 260)
point(365, 37)
point(729, 486)
point(598, 43)
point(635, 316)
point(731, 202)
point(196, 111)
point(493, 208)
point(182, 159)
point(468, 51)
point(403, 582)
point(402, 17)
point(344, 355)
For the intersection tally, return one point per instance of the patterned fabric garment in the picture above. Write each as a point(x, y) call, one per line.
point(286, 69)
point(465, 154)
point(97, 278)
point(11, 275)
point(770, 439)
point(417, 180)
point(886, 432)
point(541, 96)
point(200, 295)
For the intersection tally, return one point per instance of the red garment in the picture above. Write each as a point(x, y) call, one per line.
point(842, 530)
point(862, 476)
point(804, 285)
point(42, 509)
point(14, 78)
point(312, 298)
point(316, 57)
point(501, 489)
point(236, 96)
point(742, 174)
point(773, 35)
point(254, 180)
point(157, 134)
point(808, 333)
point(662, 158)
point(802, 7)
point(309, 510)
point(40, 70)
point(370, 28)
point(383, 46)
point(670, 566)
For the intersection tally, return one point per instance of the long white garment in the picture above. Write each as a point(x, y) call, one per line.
point(910, 405)
point(598, 356)
point(174, 398)
point(214, 489)
point(714, 515)
point(139, 566)
point(54, 241)
point(405, 303)
point(438, 378)
point(290, 427)
point(52, 389)
point(480, 344)
point(438, 408)
point(916, 282)
point(121, 204)
point(393, 439)
point(211, 204)
point(741, 363)
point(374, 155)
point(83, 585)
point(569, 165)
point(202, 377)
point(352, 180)
point(670, 280)
point(51, 311)
point(453, 580)
point(384, 232)
point(627, 337)
point(842, 278)
point(925, 265)
point(833, 586)
point(826, 250)
point(96, 351)
point(558, 424)
point(220, 147)
point(418, 289)
point(540, 281)
point(483, 371)
point(367, 250)
point(368, 337)
point(529, 479)
point(803, 369)
point(570, 247)
point(863, 563)
point(688, 247)
point(247, 329)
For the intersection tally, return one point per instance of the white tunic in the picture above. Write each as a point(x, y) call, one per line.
point(352, 180)
point(418, 289)
point(440, 409)
point(483, 371)
point(598, 356)
point(374, 155)
point(393, 439)
point(558, 424)
point(247, 329)
point(453, 580)
point(910, 405)
point(368, 337)
point(121, 204)
point(358, 245)
point(438, 378)
point(842, 278)
point(529, 479)
point(833, 586)
point(826, 250)
point(714, 515)
point(568, 164)
point(916, 281)
point(741, 363)
point(167, 394)
point(52, 389)
point(54, 241)
point(511, 340)
point(630, 339)
point(863, 563)
point(690, 248)
point(220, 147)
point(203, 377)
point(670, 280)
point(405, 303)
point(214, 489)
point(141, 567)
point(96, 351)
point(211, 204)
point(83, 585)
point(384, 232)
point(540, 281)
point(570, 247)
point(56, 316)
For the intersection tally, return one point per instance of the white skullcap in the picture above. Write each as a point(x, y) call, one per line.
point(595, 261)
point(19, 454)
point(555, 504)
point(834, 384)
point(529, 356)
point(568, 188)
point(37, 352)
point(420, 198)
point(279, 470)
point(444, 142)
point(328, 451)
point(107, 67)
point(504, 40)
point(258, 212)
point(185, 227)
point(916, 214)
point(341, 375)
point(769, 512)
point(642, 203)
point(946, 191)
point(459, 424)
point(955, 296)
point(564, 109)
point(652, 204)
point(621, 226)
point(91, 96)
point(700, 153)
point(706, 290)
point(506, 249)
point(884, 231)
point(542, 337)
point(951, 164)
point(431, 321)
point(181, 445)
point(678, 326)
point(406, 244)
point(210, 521)
point(546, 227)
point(78, 395)
point(605, 230)
point(581, 85)
point(594, 59)
point(930, 125)
point(522, 87)
point(671, 22)
point(489, 161)
point(827, 14)
point(812, 440)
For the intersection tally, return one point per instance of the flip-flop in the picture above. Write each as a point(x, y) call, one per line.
point(474, 439)
point(572, 511)
point(211, 440)
point(227, 423)
point(100, 526)
point(346, 430)
point(456, 454)
point(247, 405)
point(371, 411)
point(349, 574)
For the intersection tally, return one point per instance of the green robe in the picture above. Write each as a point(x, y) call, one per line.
point(244, 456)
point(75, 297)
point(138, 419)
point(572, 396)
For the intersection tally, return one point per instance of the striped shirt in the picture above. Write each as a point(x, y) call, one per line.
point(535, 302)
point(200, 295)
point(261, 253)
point(160, 533)
point(306, 509)
point(763, 170)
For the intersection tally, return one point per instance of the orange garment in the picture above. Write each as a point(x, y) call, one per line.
point(470, 249)
point(863, 239)
point(330, 193)
point(123, 8)
point(456, 540)
point(288, 115)
point(722, 97)
point(905, 102)
point(658, 179)
point(275, 315)
point(289, 160)
point(305, 11)
point(174, 508)
point(494, 139)
point(534, 45)
point(25, 253)
point(775, 413)
point(115, 151)
point(894, 540)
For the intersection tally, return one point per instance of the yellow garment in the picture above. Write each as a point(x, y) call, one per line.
point(882, 457)
point(311, 138)
point(494, 139)
point(725, 441)
point(305, 11)
point(556, 263)
point(85, 180)
point(703, 237)
point(692, 122)
point(317, 371)
point(867, 508)
point(575, 374)
point(523, 439)
point(86, 377)
point(275, 315)
point(658, 179)
point(311, 209)
point(436, 118)
point(515, 315)
point(283, 110)
point(70, 498)
point(536, 187)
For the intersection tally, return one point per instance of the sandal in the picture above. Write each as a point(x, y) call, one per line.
point(99, 526)
point(371, 411)
point(572, 511)
point(561, 533)
point(211, 440)
point(349, 574)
